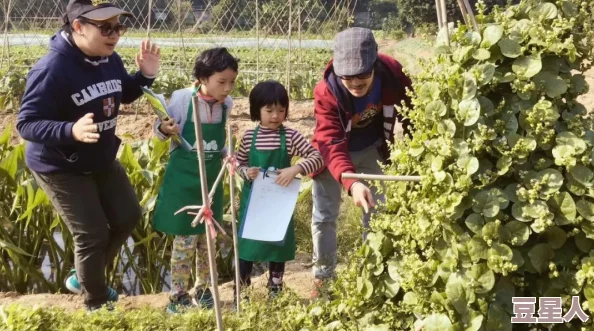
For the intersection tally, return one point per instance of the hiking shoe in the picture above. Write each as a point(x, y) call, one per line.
point(179, 303)
point(112, 295)
point(72, 283)
point(203, 298)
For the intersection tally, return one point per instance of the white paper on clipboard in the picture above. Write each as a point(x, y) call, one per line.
point(269, 209)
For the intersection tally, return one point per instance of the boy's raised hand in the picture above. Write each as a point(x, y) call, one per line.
point(286, 175)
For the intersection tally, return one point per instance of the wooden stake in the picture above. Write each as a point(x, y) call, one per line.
point(444, 19)
point(438, 9)
point(233, 218)
point(463, 12)
point(382, 177)
point(471, 14)
point(212, 262)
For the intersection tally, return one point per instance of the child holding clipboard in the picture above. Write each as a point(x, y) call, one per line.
point(215, 71)
point(271, 144)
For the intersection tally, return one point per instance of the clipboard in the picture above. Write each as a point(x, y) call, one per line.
point(160, 109)
point(269, 209)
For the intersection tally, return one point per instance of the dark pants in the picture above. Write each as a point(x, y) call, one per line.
point(275, 278)
point(101, 210)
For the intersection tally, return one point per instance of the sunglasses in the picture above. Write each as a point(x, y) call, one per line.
point(364, 75)
point(108, 29)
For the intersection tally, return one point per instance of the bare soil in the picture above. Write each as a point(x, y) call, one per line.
point(298, 278)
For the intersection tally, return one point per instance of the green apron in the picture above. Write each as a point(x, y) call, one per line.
point(261, 251)
point(181, 182)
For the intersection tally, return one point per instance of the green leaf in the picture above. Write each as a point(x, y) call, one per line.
point(5, 136)
point(13, 162)
point(381, 327)
point(503, 164)
point(437, 322)
point(545, 10)
point(365, 287)
point(569, 9)
point(469, 88)
point(477, 249)
point(510, 48)
point(484, 277)
point(519, 232)
point(461, 53)
point(583, 243)
point(469, 111)
point(552, 180)
point(393, 270)
point(457, 293)
point(392, 287)
point(502, 251)
point(5, 245)
point(585, 209)
point(491, 35)
point(564, 208)
point(527, 66)
point(481, 54)
point(537, 209)
point(582, 175)
point(435, 109)
point(476, 323)
point(556, 237)
point(540, 255)
point(489, 202)
point(553, 85)
point(589, 292)
point(517, 259)
point(429, 91)
point(468, 163)
point(511, 192)
point(128, 160)
point(570, 139)
point(486, 105)
point(579, 84)
point(487, 71)
point(475, 222)
point(498, 319)
point(375, 240)
point(447, 128)
point(410, 298)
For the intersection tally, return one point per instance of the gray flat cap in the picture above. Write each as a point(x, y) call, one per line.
point(355, 52)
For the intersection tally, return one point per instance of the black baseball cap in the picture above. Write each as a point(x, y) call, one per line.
point(99, 10)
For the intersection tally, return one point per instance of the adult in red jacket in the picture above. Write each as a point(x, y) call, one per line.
point(355, 117)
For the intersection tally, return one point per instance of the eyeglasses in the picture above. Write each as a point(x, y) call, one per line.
point(108, 29)
point(364, 75)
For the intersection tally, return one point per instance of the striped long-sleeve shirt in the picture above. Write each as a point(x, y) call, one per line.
point(311, 160)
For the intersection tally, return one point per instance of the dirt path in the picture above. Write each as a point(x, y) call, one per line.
point(298, 278)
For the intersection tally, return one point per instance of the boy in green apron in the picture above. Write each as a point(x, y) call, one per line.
point(271, 144)
point(215, 71)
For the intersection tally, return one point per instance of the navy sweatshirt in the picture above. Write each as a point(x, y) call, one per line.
point(62, 87)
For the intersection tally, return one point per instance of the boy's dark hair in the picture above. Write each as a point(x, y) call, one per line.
point(267, 93)
point(212, 61)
